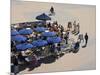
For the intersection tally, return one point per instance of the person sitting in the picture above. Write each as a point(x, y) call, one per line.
point(62, 28)
point(76, 47)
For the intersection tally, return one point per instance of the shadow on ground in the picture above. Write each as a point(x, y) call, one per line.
point(46, 60)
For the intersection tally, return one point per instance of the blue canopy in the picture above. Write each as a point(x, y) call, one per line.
point(40, 29)
point(24, 46)
point(14, 32)
point(48, 34)
point(43, 17)
point(54, 39)
point(39, 43)
point(28, 46)
point(18, 38)
point(20, 47)
point(25, 31)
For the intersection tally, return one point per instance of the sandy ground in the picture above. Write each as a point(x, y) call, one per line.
point(85, 59)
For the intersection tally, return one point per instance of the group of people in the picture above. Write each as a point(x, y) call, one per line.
point(18, 59)
point(73, 29)
point(30, 57)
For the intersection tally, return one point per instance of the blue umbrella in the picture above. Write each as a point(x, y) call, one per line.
point(40, 29)
point(14, 32)
point(20, 47)
point(19, 38)
point(34, 43)
point(43, 17)
point(39, 43)
point(28, 46)
point(25, 31)
point(24, 46)
point(54, 39)
point(48, 34)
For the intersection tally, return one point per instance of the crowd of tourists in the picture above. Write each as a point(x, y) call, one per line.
point(43, 41)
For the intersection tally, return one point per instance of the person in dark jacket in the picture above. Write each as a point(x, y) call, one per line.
point(58, 47)
point(86, 39)
point(52, 10)
point(77, 44)
point(76, 47)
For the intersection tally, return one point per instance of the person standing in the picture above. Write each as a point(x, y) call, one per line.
point(78, 28)
point(69, 26)
point(86, 39)
point(66, 37)
point(74, 27)
point(62, 28)
point(58, 49)
point(52, 10)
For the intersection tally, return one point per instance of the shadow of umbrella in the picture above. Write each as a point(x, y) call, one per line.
point(23, 67)
point(48, 59)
